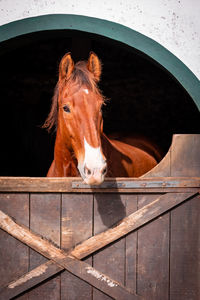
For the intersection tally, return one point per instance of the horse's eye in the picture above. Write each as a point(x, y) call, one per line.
point(66, 109)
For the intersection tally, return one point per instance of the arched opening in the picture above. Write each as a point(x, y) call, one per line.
point(144, 97)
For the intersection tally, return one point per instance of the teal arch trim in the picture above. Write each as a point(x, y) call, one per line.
point(113, 31)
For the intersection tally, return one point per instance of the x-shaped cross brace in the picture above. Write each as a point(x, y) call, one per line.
point(71, 261)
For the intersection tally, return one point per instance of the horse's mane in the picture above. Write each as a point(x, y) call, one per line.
point(80, 76)
point(52, 119)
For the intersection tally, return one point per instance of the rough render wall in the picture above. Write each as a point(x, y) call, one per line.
point(175, 24)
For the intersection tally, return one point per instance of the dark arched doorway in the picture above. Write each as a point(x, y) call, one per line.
point(145, 98)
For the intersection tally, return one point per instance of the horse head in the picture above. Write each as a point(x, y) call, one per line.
point(79, 121)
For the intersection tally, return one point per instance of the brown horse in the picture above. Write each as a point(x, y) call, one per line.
point(81, 147)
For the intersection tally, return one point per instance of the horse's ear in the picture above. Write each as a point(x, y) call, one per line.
point(94, 66)
point(66, 66)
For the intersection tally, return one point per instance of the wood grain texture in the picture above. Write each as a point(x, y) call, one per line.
point(109, 210)
point(77, 226)
point(185, 251)
point(94, 245)
point(73, 265)
point(185, 158)
point(29, 280)
point(45, 220)
point(130, 223)
point(103, 212)
point(153, 255)
point(131, 246)
point(110, 185)
point(13, 254)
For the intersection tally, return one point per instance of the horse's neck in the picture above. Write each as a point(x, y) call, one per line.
point(109, 145)
point(126, 160)
point(113, 156)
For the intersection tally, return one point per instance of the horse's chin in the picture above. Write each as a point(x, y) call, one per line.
point(94, 180)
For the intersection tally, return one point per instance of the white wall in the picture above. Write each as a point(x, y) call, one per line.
point(175, 24)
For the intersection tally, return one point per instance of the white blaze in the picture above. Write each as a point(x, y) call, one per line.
point(93, 159)
point(93, 156)
point(86, 91)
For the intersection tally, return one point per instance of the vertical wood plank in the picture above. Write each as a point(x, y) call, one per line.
point(109, 209)
point(131, 246)
point(77, 226)
point(153, 255)
point(185, 251)
point(45, 220)
point(14, 260)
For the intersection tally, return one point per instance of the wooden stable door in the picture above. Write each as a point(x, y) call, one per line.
point(149, 247)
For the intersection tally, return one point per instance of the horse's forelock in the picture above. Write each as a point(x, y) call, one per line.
point(83, 77)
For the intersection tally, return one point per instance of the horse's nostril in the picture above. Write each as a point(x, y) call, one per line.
point(87, 171)
point(104, 171)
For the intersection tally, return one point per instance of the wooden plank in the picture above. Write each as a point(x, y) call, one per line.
point(185, 158)
point(153, 255)
point(29, 280)
point(45, 220)
point(133, 221)
point(13, 254)
point(111, 185)
point(142, 183)
point(130, 223)
point(104, 283)
point(47, 269)
point(131, 246)
point(35, 184)
point(185, 247)
point(77, 219)
point(73, 288)
point(70, 263)
point(109, 210)
point(77, 226)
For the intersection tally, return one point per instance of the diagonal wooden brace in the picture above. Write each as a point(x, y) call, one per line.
point(78, 268)
point(128, 224)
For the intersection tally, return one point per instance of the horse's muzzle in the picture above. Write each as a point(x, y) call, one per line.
point(94, 176)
